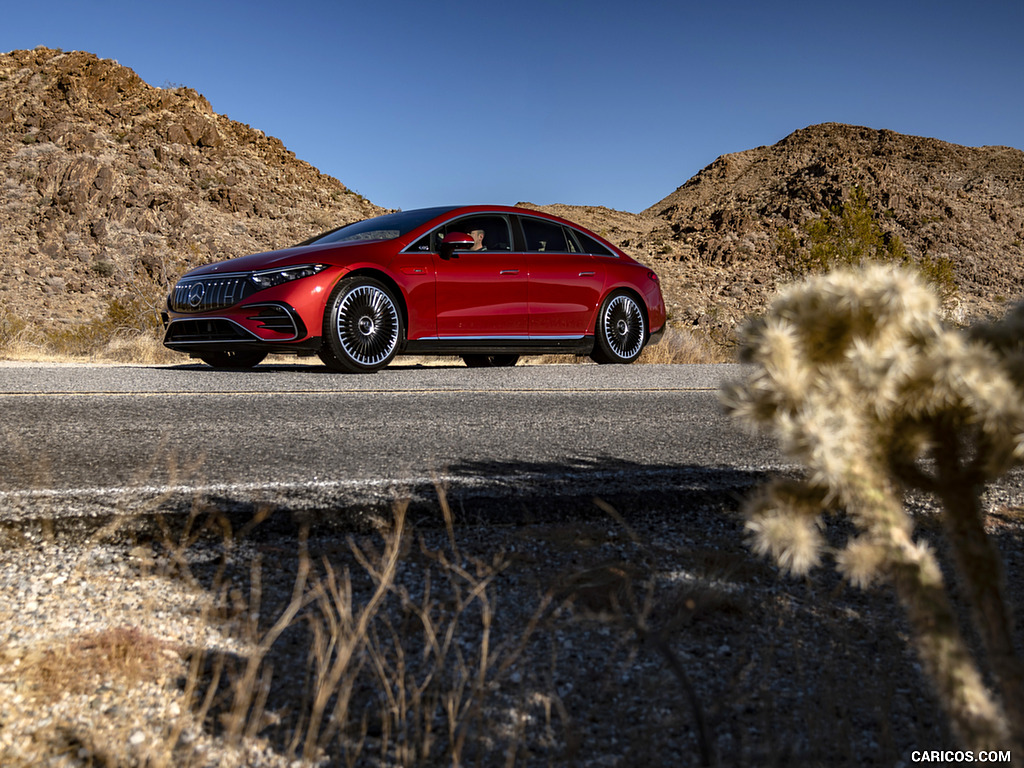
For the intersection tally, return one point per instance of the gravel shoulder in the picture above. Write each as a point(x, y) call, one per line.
point(634, 630)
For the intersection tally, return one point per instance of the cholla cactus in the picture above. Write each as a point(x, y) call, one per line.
point(860, 382)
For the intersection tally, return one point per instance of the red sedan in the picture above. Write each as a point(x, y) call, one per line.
point(488, 283)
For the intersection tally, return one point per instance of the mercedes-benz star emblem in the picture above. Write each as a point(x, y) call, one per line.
point(195, 294)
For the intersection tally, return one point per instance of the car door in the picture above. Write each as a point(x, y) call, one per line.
point(481, 293)
point(565, 284)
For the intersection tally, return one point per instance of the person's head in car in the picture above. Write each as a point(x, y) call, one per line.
point(478, 240)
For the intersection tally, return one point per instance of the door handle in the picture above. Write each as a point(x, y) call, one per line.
point(509, 272)
point(587, 274)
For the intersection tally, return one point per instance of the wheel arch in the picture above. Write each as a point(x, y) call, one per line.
point(391, 283)
point(636, 295)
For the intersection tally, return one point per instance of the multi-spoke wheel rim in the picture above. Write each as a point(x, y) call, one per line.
point(367, 325)
point(623, 326)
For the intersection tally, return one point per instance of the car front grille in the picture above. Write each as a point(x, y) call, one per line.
point(204, 294)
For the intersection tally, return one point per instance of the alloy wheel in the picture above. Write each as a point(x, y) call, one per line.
point(622, 325)
point(367, 325)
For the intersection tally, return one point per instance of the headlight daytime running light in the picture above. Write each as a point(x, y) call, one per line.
point(268, 278)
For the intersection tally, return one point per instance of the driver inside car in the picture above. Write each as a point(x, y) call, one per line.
point(478, 240)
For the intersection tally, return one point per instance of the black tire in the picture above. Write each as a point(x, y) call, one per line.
point(490, 361)
point(621, 330)
point(362, 326)
point(238, 360)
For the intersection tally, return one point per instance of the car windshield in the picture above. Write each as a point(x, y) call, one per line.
point(386, 227)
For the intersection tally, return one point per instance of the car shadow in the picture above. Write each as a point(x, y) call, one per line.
point(475, 493)
point(268, 368)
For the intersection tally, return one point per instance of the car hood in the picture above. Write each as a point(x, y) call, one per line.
point(302, 254)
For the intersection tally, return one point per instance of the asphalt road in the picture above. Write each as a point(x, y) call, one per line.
point(79, 440)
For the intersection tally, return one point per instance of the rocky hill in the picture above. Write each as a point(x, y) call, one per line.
point(113, 186)
point(714, 239)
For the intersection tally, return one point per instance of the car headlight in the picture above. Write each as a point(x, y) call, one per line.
point(268, 278)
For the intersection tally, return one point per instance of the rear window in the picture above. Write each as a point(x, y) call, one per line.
point(590, 245)
point(542, 235)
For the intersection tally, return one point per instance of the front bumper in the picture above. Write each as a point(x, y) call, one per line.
point(219, 313)
point(264, 326)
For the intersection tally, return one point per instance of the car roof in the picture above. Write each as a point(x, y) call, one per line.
point(461, 210)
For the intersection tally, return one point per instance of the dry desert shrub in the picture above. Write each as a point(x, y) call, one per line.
point(860, 381)
point(680, 346)
point(124, 319)
point(850, 236)
point(142, 348)
point(392, 674)
point(15, 332)
point(387, 672)
point(129, 331)
point(127, 654)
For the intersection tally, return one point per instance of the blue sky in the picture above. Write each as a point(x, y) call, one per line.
point(415, 103)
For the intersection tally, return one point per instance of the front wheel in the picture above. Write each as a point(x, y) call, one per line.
point(362, 326)
point(621, 330)
point(490, 361)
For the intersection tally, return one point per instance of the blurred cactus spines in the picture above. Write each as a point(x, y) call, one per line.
point(857, 377)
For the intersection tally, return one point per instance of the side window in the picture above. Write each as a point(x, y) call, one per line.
point(490, 232)
point(543, 235)
point(590, 245)
point(493, 234)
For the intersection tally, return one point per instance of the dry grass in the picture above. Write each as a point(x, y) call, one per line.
point(369, 632)
point(102, 340)
point(128, 332)
point(78, 665)
point(392, 673)
point(15, 333)
point(680, 346)
point(677, 346)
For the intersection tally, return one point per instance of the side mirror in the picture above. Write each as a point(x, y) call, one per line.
point(451, 242)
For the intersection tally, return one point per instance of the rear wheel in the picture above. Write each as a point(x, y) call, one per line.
point(621, 330)
point(362, 326)
point(490, 361)
point(240, 360)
